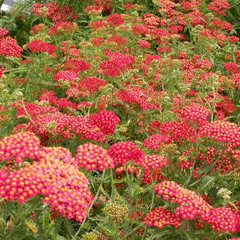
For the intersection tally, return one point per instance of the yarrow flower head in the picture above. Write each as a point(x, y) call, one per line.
point(20, 184)
point(190, 203)
point(19, 146)
point(67, 190)
point(53, 175)
point(195, 112)
point(232, 67)
point(159, 217)
point(66, 75)
point(116, 63)
point(115, 19)
point(33, 109)
point(91, 84)
point(219, 6)
point(64, 27)
point(105, 120)
point(222, 131)
point(9, 47)
point(224, 219)
point(123, 152)
point(92, 157)
point(155, 141)
point(143, 43)
point(41, 46)
point(60, 153)
point(3, 31)
point(77, 65)
point(153, 162)
point(177, 130)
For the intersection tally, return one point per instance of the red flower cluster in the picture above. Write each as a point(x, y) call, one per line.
point(117, 39)
point(60, 153)
point(66, 75)
point(159, 217)
point(97, 24)
point(143, 43)
point(77, 65)
point(37, 28)
point(3, 31)
point(62, 185)
point(91, 84)
point(192, 205)
point(134, 94)
point(219, 6)
point(195, 112)
point(116, 63)
point(33, 109)
point(232, 67)
point(41, 46)
point(223, 219)
point(155, 141)
point(177, 130)
point(20, 184)
point(9, 47)
point(153, 162)
point(87, 130)
point(53, 11)
point(64, 103)
point(105, 120)
point(66, 187)
point(93, 156)
point(94, 126)
point(222, 131)
point(49, 96)
point(123, 152)
point(115, 19)
point(19, 146)
point(62, 27)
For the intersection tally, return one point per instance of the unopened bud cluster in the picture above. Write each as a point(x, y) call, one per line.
point(116, 212)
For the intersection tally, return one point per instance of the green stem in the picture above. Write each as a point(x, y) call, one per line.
point(152, 203)
point(90, 208)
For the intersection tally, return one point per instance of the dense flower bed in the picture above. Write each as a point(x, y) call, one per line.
point(122, 127)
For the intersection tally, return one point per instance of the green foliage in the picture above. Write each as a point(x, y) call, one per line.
point(192, 71)
point(233, 15)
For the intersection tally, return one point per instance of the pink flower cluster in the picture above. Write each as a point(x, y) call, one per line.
point(54, 174)
point(136, 95)
point(32, 109)
point(105, 120)
point(192, 205)
point(125, 151)
point(177, 130)
point(222, 131)
point(91, 84)
point(116, 63)
point(66, 75)
point(93, 156)
point(19, 146)
point(155, 141)
point(159, 217)
point(3, 31)
point(62, 27)
point(8, 45)
point(153, 162)
point(195, 112)
point(41, 46)
point(48, 121)
point(77, 65)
